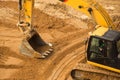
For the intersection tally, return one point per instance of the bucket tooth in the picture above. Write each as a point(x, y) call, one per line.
point(45, 54)
point(43, 57)
point(48, 52)
point(50, 44)
point(51, 50)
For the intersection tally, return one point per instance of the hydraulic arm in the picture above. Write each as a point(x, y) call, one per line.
point(32, 44)
point(92, 9)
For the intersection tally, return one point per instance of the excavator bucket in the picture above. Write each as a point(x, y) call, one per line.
point(33, 46)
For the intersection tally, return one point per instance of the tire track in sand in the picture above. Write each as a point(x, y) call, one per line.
point(67, 64)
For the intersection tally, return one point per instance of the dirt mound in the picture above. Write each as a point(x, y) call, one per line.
point(9, 14)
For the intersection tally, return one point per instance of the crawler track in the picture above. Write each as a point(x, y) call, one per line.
point(95, 70)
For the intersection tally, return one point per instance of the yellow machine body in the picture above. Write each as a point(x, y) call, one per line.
point(106, 28)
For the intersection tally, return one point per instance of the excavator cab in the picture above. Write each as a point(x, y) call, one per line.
point(104, 51)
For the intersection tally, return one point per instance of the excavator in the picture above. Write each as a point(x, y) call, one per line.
point(32, 44)
point(103, 45)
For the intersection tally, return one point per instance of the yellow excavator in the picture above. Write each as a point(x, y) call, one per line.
point(32, 44)
point(104, 42)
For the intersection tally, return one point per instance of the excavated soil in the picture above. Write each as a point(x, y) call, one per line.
point(61, 25)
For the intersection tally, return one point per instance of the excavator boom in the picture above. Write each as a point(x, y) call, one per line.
point(92, 9)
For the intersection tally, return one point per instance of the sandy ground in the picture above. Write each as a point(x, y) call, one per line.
point(56, 23)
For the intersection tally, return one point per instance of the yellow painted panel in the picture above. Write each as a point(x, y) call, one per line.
point(76, 3)
point(100, 31)
point(103, 66)
point(28, 7)
point(99, 14)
